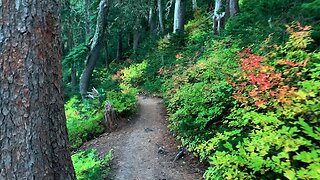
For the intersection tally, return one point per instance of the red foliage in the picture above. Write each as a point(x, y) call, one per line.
point(178, 56)
point(258, 83)
point(161, 71)
point(116, 76)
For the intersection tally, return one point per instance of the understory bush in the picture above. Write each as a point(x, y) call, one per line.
point(88, 166)
point(125, 101)
point(83, 120)
point(273, 130)
point(197, 93)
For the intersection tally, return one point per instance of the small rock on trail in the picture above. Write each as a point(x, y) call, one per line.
point(136, 148)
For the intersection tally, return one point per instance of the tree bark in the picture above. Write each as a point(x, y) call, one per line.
point(227, 9)
point(119, 48)
point(106, 48)
point(88, 23)
point(74, 78)
point(179, 15)
point(70, 45)
point(194, 5)
point(136, 40)
point(137, 31)
point(233, 7)
point(94, 48)
point(153, 19)
point(33, 138)
point(160, 15)
point(218, 17)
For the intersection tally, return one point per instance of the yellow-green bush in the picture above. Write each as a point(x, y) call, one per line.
point(88, 166)
point(278, 137)
point(83, 120)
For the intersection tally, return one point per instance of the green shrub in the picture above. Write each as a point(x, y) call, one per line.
point(278, 137)
point(88, 166)
point(199, 30)
point(197, 95)
point(102, 80)
point(152, 85)
point(124, 101)
point(83, 120)
point(133, 75)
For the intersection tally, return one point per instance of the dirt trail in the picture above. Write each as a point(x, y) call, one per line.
point(144, 149)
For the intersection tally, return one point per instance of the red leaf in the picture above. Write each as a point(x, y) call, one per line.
point(259, 102)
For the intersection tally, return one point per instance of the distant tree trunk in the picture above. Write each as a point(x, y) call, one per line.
point(119, 47)
point(179, 15)
point(129, 39)
point(168, 8)
point(137, 34)
point(218, 17)
point(227, 9)
point(160, 15)
point(136, 39)
point(233, 7)
point(194, 5)
point(87, 20)
point(74, 78)
point(73, 66)
point(107, 62)
point(153, 19)
point(70, 45)
point(94, 48)
point(33, 138)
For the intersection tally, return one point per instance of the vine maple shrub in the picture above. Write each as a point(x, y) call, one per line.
point(260, 83)
point(272, 132)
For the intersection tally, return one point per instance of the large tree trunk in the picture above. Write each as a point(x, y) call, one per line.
point(233, 7)
point(94, 48)
point(179, 15)
point(33, 138)
point(160, 15)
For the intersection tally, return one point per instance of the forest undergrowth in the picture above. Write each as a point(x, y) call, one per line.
point(245, 101)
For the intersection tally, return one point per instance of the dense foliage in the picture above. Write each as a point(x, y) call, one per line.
point(246, 101)
point(88, 166)
point(250, 115)
point(83, 120)
point(272, 131)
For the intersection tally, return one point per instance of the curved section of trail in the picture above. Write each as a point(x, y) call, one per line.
point(144, 149)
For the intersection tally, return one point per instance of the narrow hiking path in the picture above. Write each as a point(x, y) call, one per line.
point(144, 149)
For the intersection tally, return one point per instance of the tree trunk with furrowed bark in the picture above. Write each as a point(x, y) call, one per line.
point(33, 135)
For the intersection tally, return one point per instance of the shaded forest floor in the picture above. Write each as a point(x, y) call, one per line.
point(144, 149)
